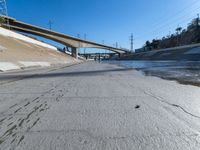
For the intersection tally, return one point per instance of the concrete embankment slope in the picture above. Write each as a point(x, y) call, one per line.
point(189, 53)
point(18, 51)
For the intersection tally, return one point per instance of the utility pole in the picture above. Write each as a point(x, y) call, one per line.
point(85, 37)
point(116, 45)
point(197, 20)
point(178, 34)
point(50, 23)
point(78, 35)
point(103, 42)
point(132, 42)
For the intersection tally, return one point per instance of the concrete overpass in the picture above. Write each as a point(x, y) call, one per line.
point(97, 55)
point(67, 40)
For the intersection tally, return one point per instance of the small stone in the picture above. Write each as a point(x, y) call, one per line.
point(137, 106)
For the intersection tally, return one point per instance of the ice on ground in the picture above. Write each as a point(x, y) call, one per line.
point(5, 66)
point(31, 64)
point(12, 34)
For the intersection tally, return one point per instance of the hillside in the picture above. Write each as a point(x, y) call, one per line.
point(190, 35)
point(19, 51)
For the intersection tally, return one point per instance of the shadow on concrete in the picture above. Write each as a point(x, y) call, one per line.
point(62, 74)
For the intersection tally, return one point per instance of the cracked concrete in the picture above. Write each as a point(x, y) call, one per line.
point(160, 99)
point(93, 106)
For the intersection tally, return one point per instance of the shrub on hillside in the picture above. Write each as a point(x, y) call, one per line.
point(190, 35)
point(2, 20)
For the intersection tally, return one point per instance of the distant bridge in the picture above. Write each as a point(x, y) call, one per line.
point(97, 55)
point(66, 40)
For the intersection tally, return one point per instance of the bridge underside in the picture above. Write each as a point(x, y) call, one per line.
point(69, 41)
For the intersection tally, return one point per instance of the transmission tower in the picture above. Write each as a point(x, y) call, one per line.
point(3, 8)
point(3, 11)
point(85, 37)
point(50, 23)
point(131, 39)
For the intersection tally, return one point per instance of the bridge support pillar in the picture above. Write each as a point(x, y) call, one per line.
point(74, 52)
point(119, 55)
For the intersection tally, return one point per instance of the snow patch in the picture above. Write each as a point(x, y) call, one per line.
point(5, 66)
point(31, 64)
point(12, 34)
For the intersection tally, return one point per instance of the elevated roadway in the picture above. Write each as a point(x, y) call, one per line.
point(64, 39)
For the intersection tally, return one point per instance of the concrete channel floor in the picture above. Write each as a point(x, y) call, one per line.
point(93, 106)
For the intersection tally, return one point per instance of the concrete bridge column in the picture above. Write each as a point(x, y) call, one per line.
point(74, 52)
point(119, 55)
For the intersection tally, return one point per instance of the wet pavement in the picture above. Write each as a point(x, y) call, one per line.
point(185, 72)
point(96, 106)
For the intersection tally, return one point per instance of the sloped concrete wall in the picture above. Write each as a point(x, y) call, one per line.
point(187, 53)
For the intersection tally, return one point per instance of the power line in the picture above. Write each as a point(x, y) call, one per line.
point(158, 32)
point(178, 12)
point(183, 21)
point(174, 23)
point(174, 18)
point(178, 21)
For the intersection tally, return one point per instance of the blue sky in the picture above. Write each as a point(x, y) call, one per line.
point(109, 20)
